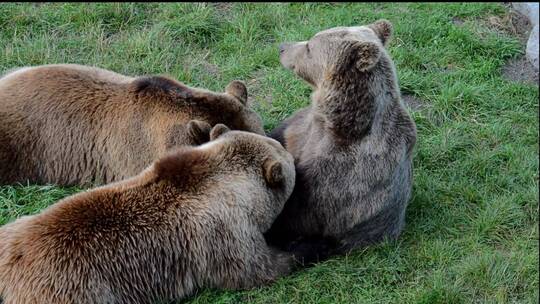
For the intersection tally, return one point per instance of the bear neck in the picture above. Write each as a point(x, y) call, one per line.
point(356, 100)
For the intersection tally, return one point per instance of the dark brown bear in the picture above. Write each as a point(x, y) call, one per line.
point(352, 147)
point(195, 218)
point(75, 125)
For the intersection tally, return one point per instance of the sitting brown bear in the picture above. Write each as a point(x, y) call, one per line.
point(352, 147)
point(75, 125)
point(195, 218)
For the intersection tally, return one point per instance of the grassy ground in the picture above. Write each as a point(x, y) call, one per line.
point(472, 225)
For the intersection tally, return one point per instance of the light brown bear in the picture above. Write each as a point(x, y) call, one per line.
point(76, 125)
point(195, 218)
point(352, 147)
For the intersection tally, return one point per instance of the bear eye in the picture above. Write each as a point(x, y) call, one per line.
point(307, 48)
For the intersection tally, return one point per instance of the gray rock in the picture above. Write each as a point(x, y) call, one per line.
point(532, 47)
point(530, 10)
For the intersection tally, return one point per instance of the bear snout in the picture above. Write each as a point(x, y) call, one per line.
point(283, 47)
point(286, 55)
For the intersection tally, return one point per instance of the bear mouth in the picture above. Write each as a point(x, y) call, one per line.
point(290, 66)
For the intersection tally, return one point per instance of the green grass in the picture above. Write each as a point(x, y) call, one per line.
point(472, 225)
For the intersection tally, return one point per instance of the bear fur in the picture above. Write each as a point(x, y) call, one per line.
point(195, 218)
point(78, 125)
point(352, 146)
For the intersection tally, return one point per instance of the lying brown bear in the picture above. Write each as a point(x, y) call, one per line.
point(195, 218)
point(352, 147)
point(75, 125)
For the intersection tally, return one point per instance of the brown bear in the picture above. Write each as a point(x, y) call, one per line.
point(76, 125)
point(352, 147)
point(195, 218)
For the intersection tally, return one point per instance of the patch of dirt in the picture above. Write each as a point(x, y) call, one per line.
point(413, 103)
point(457, 21)
point(223, 8)
point(222, 5)
point(513, 23)
point(201, 62)
point(518, 25)
point(520, 70)
point(255, 89)
point(210, 68)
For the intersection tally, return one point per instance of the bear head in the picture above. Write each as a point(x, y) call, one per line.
point(257, 168)
point(230, 107)
point(337, 51)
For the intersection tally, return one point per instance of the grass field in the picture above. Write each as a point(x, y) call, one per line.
point(472, 225)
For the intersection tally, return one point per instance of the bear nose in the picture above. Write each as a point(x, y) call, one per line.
point(282, 47)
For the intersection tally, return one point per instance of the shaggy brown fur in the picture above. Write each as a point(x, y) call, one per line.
point(195, 218)
point(352, 146)
point(74, 125)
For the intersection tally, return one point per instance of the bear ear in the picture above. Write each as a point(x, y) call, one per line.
point(273, 172)
point(199, 131)
point(182, 164)
point(218, 130)
point(238, 89)
point(363, 55)
point(383, 29)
